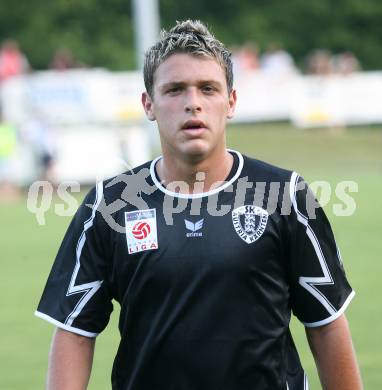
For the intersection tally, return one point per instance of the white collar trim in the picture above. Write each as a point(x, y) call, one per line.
point(201, 194)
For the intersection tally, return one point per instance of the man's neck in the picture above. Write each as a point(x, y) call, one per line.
point(198, 175)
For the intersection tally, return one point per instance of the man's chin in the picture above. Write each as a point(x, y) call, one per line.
point(198, 150)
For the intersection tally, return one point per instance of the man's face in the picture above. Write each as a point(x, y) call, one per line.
point(191, 105)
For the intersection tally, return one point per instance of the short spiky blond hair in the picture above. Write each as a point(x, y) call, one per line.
point(191, 37)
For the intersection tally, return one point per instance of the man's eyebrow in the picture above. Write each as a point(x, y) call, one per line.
point(182, 83)
point(172, 84)
point(209, 82)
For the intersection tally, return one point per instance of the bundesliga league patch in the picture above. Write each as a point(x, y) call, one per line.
point(249, 222)
point(141, 230)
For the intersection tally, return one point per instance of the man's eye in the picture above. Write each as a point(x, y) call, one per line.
point(173, 90)
point(208, 88)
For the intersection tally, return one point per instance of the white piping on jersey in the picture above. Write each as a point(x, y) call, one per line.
point(332, 317)
point(201, 194)
point(310, 283)
point(63, 326)
point(306, 383)
point(88, 289)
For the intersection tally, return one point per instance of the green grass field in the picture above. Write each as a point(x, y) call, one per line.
point(27, 251)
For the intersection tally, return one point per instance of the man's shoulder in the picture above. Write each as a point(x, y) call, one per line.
point(130, 172)
point(132, 180)
point(259, 170)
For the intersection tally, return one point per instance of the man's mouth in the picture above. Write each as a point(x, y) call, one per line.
point(193, 125)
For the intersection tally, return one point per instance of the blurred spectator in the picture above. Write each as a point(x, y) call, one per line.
point(319, 62)
point(12, 61)
point(345, 63)
point(8, 148)
point(245, 58)
point(322, 62)
point(63, 59)
point(276, 61)
point(38, 135)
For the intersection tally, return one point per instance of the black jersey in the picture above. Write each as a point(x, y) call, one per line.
point(206, 282)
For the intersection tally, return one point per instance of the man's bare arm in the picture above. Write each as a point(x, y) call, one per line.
point(70, 361)
point(334, 354)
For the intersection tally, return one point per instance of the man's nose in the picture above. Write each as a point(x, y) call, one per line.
point(192, 103)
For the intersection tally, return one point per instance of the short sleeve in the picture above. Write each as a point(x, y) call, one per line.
point(319, 289)
point(77, 296)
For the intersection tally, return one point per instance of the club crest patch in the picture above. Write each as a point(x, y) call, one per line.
point(141, 230)
point(249, 222)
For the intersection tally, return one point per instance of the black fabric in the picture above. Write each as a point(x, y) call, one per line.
point(206, 309)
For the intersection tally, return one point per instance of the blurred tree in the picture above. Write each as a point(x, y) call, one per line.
point(100, 33)
point(297, 25)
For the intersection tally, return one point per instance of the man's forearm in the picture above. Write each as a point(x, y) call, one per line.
point(334, 354)
point(70, 361)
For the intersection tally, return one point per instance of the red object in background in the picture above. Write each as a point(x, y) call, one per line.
point(12, 61)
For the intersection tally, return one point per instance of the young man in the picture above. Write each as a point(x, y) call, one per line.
point(206, 251)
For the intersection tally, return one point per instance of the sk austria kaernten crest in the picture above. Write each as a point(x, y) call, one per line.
point(249, 222)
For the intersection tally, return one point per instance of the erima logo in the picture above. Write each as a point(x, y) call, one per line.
point(194, 227)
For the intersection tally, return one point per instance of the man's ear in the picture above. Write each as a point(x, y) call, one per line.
point(147, 104)
point(232, 104)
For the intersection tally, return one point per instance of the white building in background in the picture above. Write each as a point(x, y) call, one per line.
point(99, 124)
